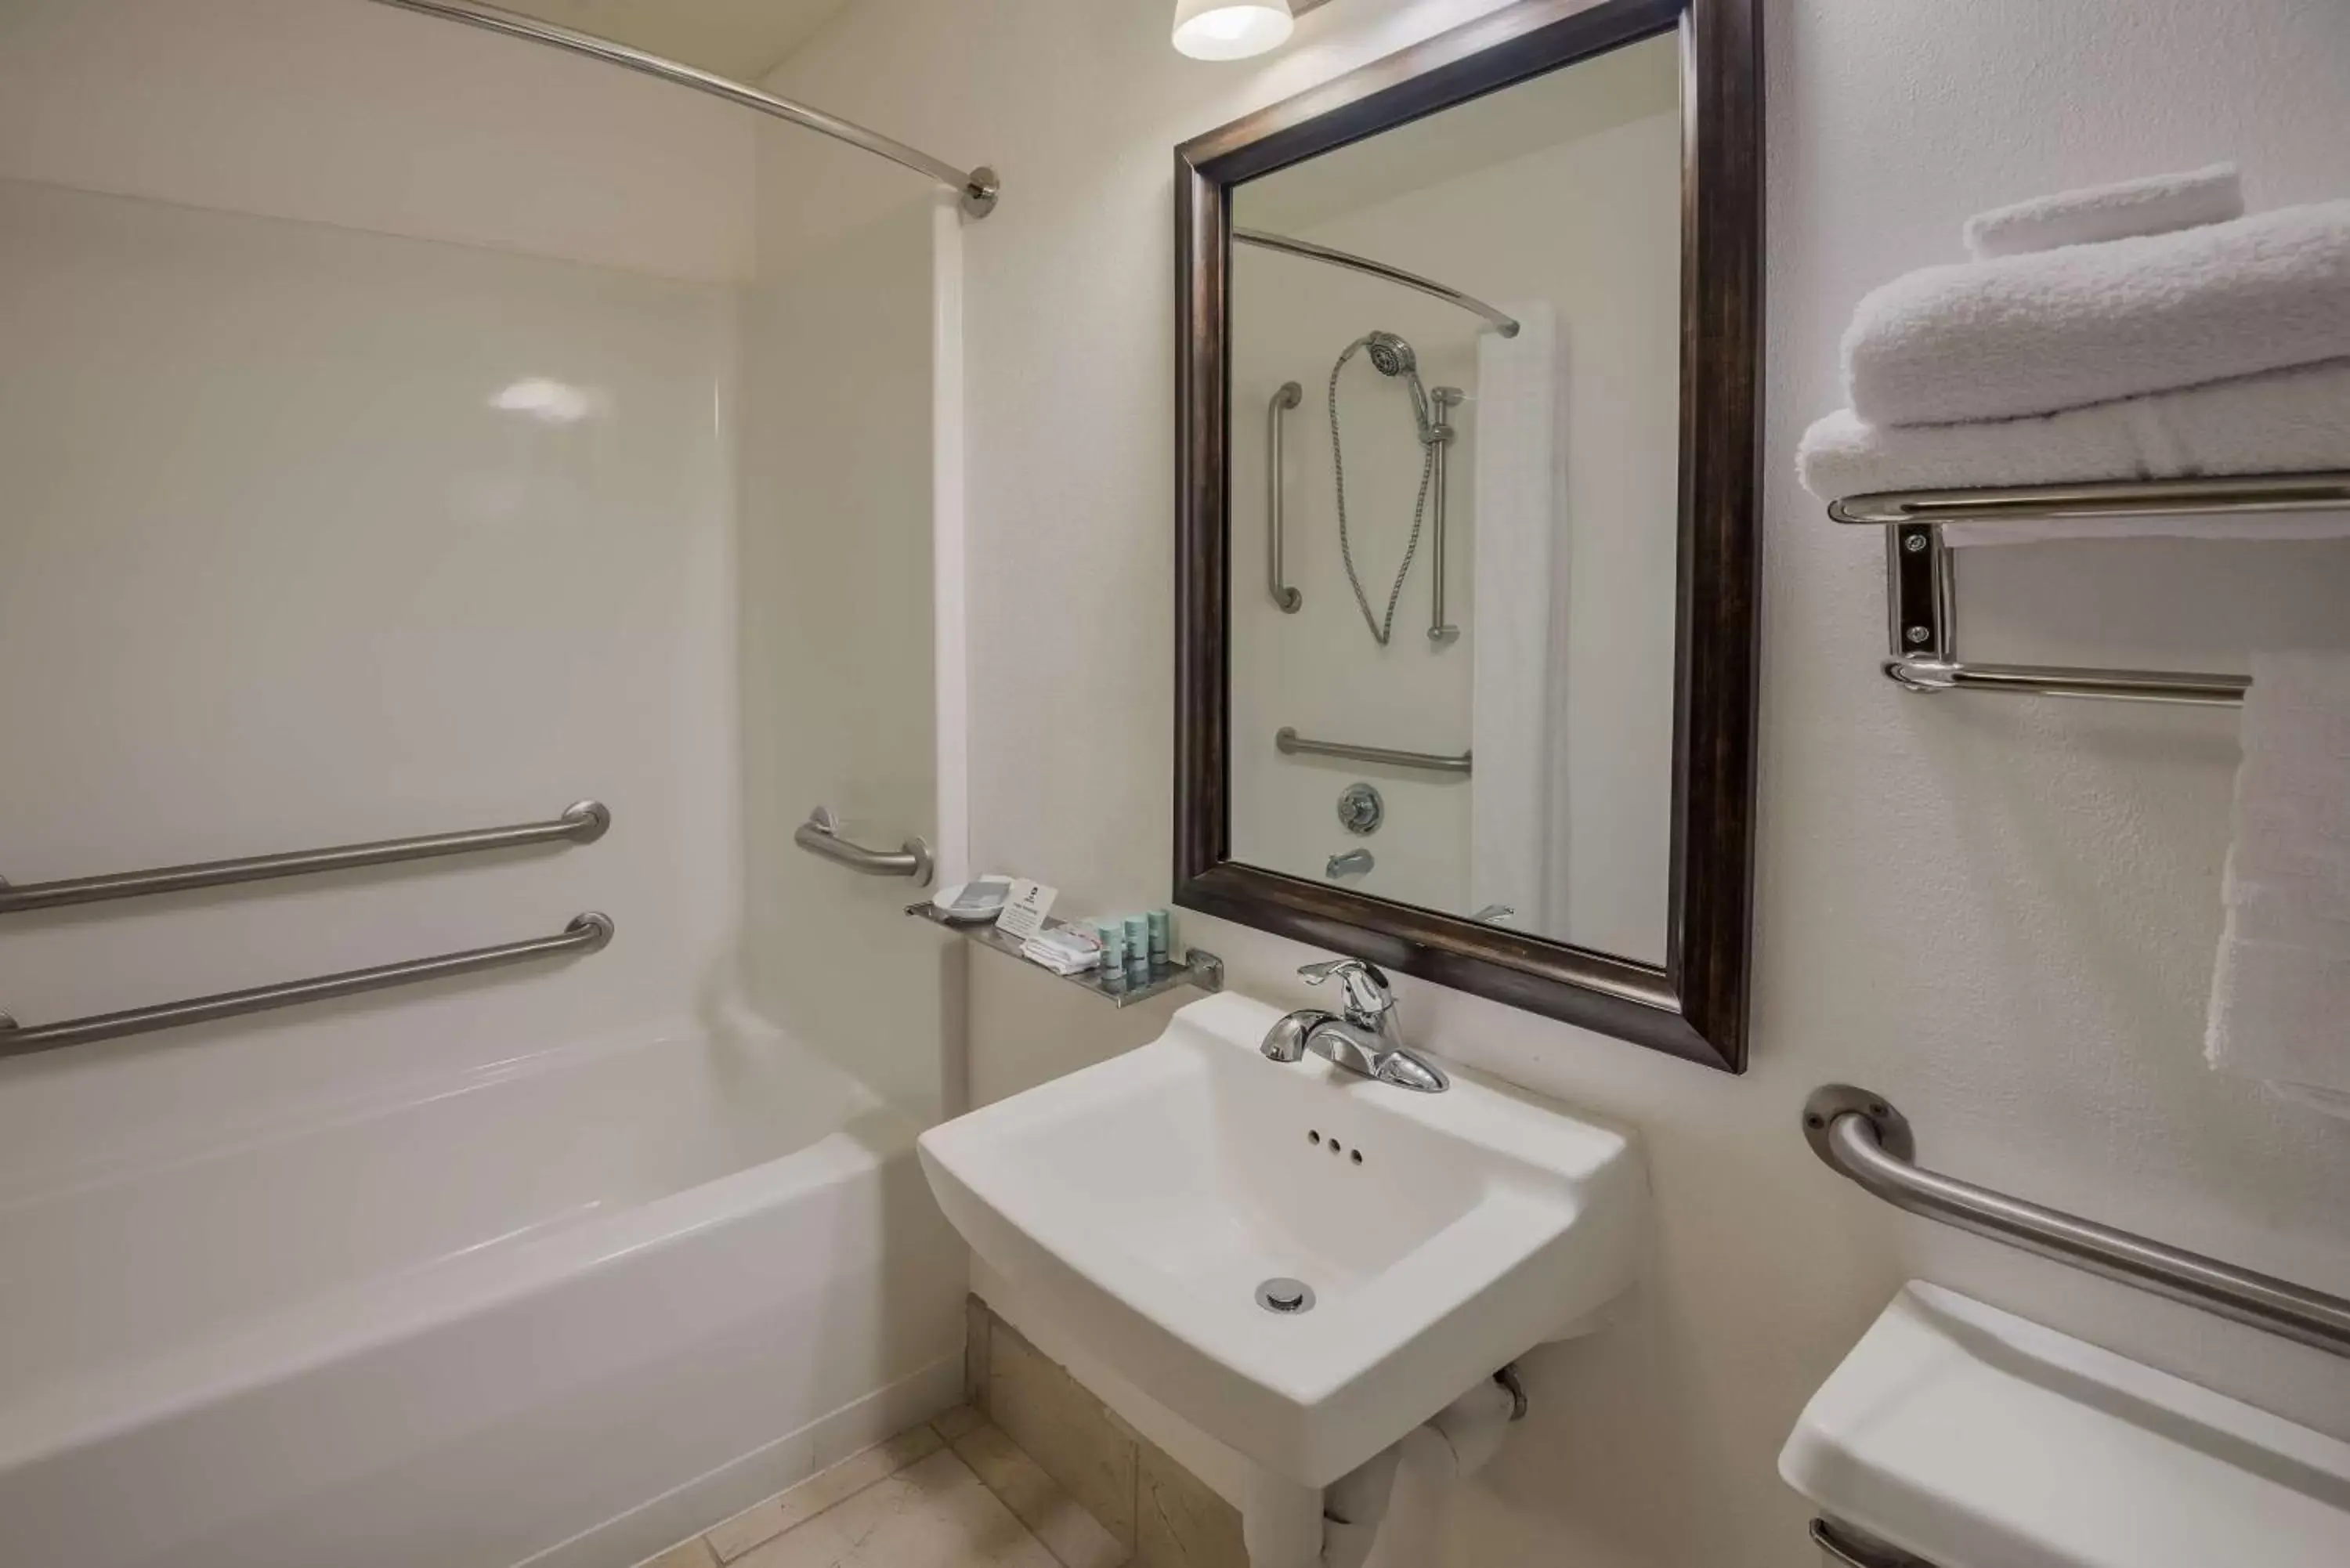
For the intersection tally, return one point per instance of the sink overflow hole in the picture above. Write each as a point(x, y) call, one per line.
point(1285, 1296)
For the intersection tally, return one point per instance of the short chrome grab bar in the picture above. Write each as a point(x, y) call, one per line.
point(1290, 743)
point(1440, 630)
point(1862, 1137)
point(587, 934)
point(581, 824)
point(1284, 597)
point(820, 835)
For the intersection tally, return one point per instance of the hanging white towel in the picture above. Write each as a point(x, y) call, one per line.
point(1517, 842)
point(2289, 421)
point(2281, 990)
point(2089, 323)
point(2157, 204)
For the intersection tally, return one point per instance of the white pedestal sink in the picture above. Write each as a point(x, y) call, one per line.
point(1149, 1201)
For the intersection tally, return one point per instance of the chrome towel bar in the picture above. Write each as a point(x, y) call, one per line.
point(581, 824)
point(1921, 578)
point(1861, 1136)
point(587, 934)
point(1290, 743)
point(820, 835)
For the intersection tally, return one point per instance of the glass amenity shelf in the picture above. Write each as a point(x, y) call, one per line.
point(1203, 969)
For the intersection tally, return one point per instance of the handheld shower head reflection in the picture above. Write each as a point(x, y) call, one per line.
point(1391, 355)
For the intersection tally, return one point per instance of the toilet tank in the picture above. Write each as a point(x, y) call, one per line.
point(1969, 1437)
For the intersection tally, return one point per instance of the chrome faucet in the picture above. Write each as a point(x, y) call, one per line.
point(1362, 1038)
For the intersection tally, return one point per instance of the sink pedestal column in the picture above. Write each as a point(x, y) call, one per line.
point(1281, 1522)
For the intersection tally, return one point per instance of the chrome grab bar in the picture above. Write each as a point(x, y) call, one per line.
point(1283, 597)
point(1440, 630)
point(587, 934)
point(1290, 743)
point(581, 824)
point(1861, 1136)
point(820, 835)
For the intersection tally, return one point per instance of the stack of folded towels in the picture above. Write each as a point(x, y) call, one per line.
point(2134, 331)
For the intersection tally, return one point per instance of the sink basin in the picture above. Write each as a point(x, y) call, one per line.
point(1144, 1201)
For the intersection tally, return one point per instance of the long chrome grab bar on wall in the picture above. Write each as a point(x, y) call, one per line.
point(1285, 597)
point(587, 934)
point(1861, 1136)
point(820, 835)
point(581, 824)
point(1440, 630)
point(1504, 324)
point(1290, 743)
point(980, 187)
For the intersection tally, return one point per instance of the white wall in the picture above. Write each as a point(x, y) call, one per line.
point(354, 114)
point(2000, 915)
point(838, 691)
point(277, 572)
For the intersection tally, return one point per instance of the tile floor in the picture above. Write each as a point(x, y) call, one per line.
point(952, 1493)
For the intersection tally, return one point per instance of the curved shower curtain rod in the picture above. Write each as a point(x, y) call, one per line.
point(978, 187)
point(1506, 324)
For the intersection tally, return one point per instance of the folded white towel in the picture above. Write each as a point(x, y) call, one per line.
point(2156, 204)
point(2288, 422)
point(2281, 990)
point(1063, 949)
point(2089, 323)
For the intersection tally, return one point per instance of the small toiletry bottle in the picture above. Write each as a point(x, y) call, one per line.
point(1138, 943)
point(1113, 949)
point(1163, 936)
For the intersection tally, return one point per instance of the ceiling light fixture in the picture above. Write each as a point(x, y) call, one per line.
point(1231, 29)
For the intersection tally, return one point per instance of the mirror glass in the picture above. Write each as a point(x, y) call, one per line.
point(1452, 600)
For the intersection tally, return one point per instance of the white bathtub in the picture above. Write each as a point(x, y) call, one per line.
point(563, 1312)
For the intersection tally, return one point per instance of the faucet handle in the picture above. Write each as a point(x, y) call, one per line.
point(1368, 999)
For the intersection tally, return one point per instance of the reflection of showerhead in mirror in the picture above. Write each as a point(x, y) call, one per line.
point(1391, 355)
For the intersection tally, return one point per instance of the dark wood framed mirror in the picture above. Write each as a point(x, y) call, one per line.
point(1608, 426)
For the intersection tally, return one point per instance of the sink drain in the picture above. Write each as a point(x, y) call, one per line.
point(1285, 1296)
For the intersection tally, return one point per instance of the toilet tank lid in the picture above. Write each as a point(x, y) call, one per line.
point(1975, 1438)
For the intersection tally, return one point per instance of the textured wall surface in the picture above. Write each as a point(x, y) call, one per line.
point(2000, 913)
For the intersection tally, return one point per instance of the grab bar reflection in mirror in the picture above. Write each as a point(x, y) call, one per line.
point(820, 836)
point(1290, 743)
point(1285, 597)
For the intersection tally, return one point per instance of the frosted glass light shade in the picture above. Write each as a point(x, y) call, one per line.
point(1231, 29)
